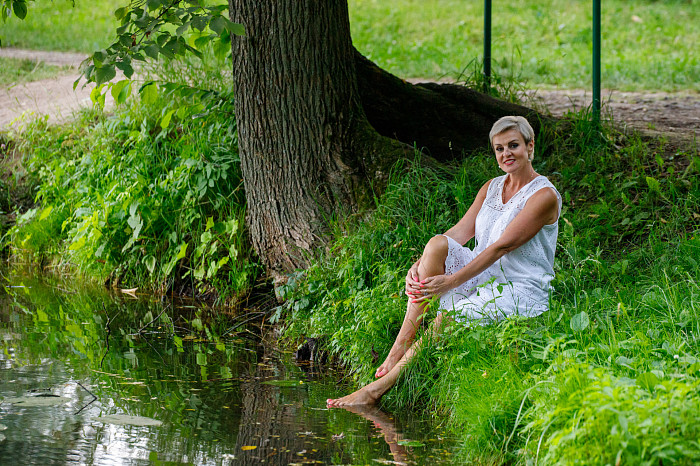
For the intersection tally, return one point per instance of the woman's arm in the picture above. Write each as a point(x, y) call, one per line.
point(464, 230)
point(540, 210)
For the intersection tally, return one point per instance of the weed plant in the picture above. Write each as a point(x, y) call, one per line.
point(608, 375)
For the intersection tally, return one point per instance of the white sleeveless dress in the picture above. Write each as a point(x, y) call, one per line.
point(517, 283)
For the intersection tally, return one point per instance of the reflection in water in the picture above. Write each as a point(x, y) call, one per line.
point(386, 426)
point(221, 399)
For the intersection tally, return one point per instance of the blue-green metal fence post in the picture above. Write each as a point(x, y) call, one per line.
point(596, 60)
point(487, 45)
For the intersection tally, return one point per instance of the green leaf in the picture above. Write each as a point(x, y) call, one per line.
point(136, 224)
point(153, 4)
point(45, 213)
point(210, 223)
point(218, 24)
point(178, 343)
point(120, 13)
point(120, 92)
point(197, 324)
point(150, 263)
point(104, 74)
point(165, 121)
point(20, 8)
point(647, 380)
point(77, 244)
point(653, 184)
point(237, 29)
point(200, 22)
point(579, 322)
point(201, 359)
point(126, 68)
point(152, 51)
point(183, 251)
point(149, 93)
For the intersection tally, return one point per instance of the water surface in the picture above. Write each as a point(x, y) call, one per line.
point(219, 391)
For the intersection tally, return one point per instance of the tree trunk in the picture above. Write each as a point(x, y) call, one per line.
point(308, 151)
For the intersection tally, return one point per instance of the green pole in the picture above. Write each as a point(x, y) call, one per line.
point(596, 60)
point(487, 45)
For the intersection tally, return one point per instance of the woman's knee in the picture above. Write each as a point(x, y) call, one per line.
point(437, 246)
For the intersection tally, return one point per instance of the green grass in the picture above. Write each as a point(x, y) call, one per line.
point(18, 71)
point(56, 25)
point(594, 377)
point(545, 42)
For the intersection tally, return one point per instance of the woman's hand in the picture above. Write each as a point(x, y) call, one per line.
point(412, 282)
point(432, 287)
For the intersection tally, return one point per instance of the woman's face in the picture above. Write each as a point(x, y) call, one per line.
point(511, 151)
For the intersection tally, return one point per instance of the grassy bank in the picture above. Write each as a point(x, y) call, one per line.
point(148, 197)
point(610, 372)
point(545, 42)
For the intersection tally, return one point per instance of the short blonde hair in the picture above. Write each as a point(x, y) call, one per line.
point(507, 123)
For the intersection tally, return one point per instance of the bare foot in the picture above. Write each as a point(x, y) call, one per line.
point(361, 397)
point(389, 362)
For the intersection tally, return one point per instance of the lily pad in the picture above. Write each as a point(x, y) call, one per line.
point(126, 420)
point(38, 401)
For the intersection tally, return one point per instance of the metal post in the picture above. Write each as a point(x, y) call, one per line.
point(596, 60)
point(487, 45)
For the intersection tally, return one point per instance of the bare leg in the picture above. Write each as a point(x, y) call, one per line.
point(372, 393)
point(432, 263)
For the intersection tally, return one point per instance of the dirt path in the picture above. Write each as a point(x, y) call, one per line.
point(53, 97)
point(676, 115)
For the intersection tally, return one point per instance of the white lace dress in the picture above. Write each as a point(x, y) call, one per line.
point(518, 283)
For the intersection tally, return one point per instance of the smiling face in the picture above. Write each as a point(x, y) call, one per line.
point(512, 153)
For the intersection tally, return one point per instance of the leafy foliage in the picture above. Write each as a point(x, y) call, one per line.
point(153, 194)
point(167, 28)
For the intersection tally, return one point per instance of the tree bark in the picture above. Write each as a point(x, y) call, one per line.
point(306, 149)
point(319, 126)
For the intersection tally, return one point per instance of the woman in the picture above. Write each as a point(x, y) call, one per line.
point(514, 218)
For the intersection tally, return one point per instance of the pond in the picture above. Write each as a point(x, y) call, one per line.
point(92, 377)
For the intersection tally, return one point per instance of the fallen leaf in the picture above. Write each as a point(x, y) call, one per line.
point(248, 447)
point(130, 291)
